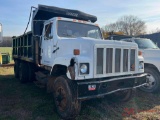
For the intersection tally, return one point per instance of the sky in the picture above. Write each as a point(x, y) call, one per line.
point(14, 14)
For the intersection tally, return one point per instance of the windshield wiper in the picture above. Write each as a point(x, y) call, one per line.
point(66, 35)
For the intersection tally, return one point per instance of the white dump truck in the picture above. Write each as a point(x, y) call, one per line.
point(151, 54)
point(66, 51)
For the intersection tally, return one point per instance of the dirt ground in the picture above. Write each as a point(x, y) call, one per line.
point(29, 102)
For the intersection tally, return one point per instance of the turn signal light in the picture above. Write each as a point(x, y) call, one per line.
point(140, 53)
point(133, 67)
point(76, 52)
point(74, 20)
point(96, 24)
point(59, 18)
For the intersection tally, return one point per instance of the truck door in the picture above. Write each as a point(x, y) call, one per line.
point(47, 45)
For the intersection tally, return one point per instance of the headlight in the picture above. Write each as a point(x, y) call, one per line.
point(84, 68)
point(140, 65)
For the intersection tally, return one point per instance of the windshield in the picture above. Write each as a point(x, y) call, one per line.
point(73, 29)
point(145, 44)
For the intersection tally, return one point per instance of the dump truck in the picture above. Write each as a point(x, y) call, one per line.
point(66, 52)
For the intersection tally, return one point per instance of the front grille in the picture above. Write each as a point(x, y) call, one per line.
point(132, 60)
point(99, 60)
point(115, 60)
point(109, 59)
point(125, 60)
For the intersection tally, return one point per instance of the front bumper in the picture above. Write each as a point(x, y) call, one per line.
point(110, 85)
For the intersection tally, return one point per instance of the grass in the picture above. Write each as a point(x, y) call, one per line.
point(29, 102)
point(6, 50)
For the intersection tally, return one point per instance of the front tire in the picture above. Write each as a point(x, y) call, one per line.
point(67, 105)
point(153, 81)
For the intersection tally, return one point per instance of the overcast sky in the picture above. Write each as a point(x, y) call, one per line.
point(14, 14)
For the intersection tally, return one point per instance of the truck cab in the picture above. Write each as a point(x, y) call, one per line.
point(151, 54)
point(59, 31)
point(66, 52)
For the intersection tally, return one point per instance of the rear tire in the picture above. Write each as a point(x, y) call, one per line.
point(31, 72)
point(153, 80)
point(23, 73)
point(67, 105)
point(16, 69)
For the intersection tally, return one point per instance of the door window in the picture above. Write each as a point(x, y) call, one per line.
point(48, 32)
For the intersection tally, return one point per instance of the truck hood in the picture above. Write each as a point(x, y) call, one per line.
point(92, 41)
point(151, 53)
point(86, 45)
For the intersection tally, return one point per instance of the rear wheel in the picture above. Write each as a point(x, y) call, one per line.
point(67, 105)
point(153, 81)
point(16, 69)
point(23, 73)
point(31, 72)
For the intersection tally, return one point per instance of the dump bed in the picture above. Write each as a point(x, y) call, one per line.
point(23, 47)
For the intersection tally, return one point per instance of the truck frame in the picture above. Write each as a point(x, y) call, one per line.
point(65, 51)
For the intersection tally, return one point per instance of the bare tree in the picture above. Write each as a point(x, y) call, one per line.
point(7, 42)
point(129, 25)
point(157, 30)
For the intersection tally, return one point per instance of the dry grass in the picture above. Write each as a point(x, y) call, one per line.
point(29, 102)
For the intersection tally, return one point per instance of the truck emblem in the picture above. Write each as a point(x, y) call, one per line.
point(72, 14)
point(91, 87)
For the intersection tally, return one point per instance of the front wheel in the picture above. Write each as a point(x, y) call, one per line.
point(66, 103)
point(153, 81)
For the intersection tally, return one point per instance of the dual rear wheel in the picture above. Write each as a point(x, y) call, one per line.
point(24, 71)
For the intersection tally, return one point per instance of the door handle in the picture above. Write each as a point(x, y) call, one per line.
point(55, 50)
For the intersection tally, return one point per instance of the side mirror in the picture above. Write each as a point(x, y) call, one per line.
point(50, 36)
point(1, 33)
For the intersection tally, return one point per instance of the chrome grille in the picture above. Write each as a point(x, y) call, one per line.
point(114, 60)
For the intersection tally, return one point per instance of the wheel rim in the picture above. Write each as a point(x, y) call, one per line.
point(151, 82)
point(60, 99)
